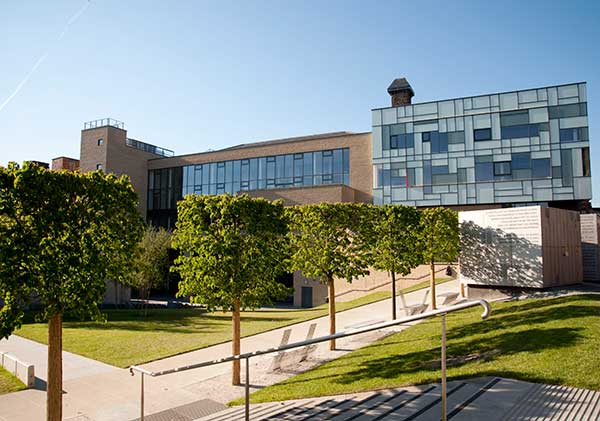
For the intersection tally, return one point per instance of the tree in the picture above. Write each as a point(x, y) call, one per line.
point(396, 245)
point(62, 234)
point(440, 240)
point(151, 263)
point(327, 243)
point(233, 248)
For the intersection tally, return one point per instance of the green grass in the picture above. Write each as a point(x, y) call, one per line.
point(9, 383)
point(129, 338)
point(555, 341)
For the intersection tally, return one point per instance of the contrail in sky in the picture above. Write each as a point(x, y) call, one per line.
point(43, 57)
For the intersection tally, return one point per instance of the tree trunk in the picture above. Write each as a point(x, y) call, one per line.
point(432, 286)
point(393, 295)
point(54, 384)
point(331, 288)
point(235, 343)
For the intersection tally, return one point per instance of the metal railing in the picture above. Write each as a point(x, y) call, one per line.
point(147, 147)
point(102, 122)
point(440, 312)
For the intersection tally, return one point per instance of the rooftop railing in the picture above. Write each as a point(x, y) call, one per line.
point(146, 147)
point(103, 122)
point(440, 312)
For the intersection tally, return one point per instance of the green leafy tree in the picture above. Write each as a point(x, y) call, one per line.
point(396, 246)
point(233, 248)
point(62, 234)
point(151, 263)
point(328, 242)
point(440, 240)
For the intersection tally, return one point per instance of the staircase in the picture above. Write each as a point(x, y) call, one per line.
point(486, 399)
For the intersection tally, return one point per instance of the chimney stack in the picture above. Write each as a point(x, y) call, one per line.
point(401, 92)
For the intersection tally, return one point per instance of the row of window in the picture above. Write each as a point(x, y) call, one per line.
point(514, 125)
point(520, 167)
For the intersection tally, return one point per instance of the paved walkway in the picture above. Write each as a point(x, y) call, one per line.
point(102, 392)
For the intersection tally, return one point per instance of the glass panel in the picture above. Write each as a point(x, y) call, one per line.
point(338, 161)
point(574, 135)
point(346, 152)
point(426, 136)
point(482, 134)
point(521, 161)
point(456, 137)
point(502, 168)
point(298, 165)
point(570, 110)
point(540, 168)
point(484, 171)
point(229, 171)
point(245, 170)
point(514, 118)
point(289, 167)
point(270, 169)
point(440, 169)
point(280, 167)
point(221, 172)
point(585, 158)
point(237, 171)
point(254, 169)
point(327, 162)
point(513, 132)
point(308, 163)
point(445, 179)
point(462, 175)
point(521, 174)
point(567, 167)
point(426, 172)
point(318, 163)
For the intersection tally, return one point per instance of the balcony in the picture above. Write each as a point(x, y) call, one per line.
point(146, 147)
point(103, 122)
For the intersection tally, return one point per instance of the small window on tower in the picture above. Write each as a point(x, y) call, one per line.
point(99, 166)
point(100, 142)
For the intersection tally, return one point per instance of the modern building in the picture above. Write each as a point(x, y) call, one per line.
point(498, 150)
point(509, 149)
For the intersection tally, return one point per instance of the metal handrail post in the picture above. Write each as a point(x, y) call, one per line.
point(444, 397)
point(142, 399)
point(247, 392)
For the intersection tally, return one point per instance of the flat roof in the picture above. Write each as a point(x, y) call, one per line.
point(328, 135)
point(487, 94)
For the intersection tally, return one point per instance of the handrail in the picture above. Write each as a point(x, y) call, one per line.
point(351, 332)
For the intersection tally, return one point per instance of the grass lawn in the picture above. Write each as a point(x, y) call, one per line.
point(130, 338)
point(555, 341)
point(9, 383)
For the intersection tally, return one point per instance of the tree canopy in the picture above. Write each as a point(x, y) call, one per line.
point(233, 248)
point(151, 263)
point(62, 235)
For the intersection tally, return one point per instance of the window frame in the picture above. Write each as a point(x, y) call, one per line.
point(488, 130)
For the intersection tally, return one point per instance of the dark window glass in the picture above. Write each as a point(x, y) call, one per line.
point(100, 142)
point(521, 160)
point(524, 174)
point(540, 168)
point(514, 132)
point(566, 167)
point(402, 141)
point(308, 163)
point(585, 158)
point(445, 179)
point(502, 168)
point(394, 142)
point(410, 177)
point(556, 172)
point(462, 175)
point(569, 110)
point(426, 136)
point(439, 142)
point(577, 134)
point(482, 134)
point(484, 171)
point(514, 118)
point(439, 169)
point(426, 172)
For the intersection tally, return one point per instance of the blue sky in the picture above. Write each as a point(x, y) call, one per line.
point(198, 75)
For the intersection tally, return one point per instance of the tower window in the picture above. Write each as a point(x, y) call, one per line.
point(99, 166)
point(100, 142)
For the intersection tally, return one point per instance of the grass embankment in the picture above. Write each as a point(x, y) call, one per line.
point(129, 337)
point(553, 341)
point(9, 383)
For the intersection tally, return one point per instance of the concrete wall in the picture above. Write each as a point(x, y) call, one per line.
point(21, 370)
point(525, 247)
point(327, 193)
point(116, 293)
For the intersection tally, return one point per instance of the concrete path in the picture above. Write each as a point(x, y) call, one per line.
point(100, 392)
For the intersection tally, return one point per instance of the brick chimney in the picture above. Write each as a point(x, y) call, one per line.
point(401, 92)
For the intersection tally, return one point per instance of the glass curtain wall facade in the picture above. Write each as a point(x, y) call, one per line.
point(169, 185)
point(516, 147)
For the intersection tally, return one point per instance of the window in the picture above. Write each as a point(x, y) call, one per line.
point(99, 166)
point(585, 158)
point(100, 142)
point(515, 132)
point(569, 110)
point(514, 118)
point(484, 168)
point(482, 134)
point(540, 168)
point(521, 161)
point(456, 137)
point(402, 141)
point(439, 142)
point(426, 136)
point(574, 135)
point(502, 168)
